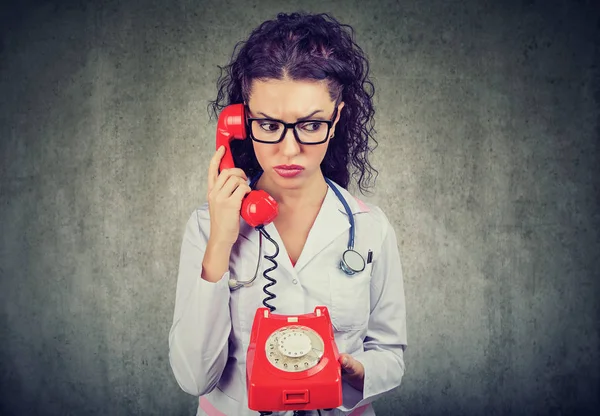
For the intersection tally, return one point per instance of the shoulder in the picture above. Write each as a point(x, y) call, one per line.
point(367, 211)
point(375, 220)
point(202, 212)
point(199, 220)
point(376, 214)
point(371, 222)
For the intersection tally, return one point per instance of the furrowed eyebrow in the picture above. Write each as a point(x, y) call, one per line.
point(300, 119)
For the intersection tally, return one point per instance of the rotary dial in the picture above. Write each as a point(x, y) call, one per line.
point(294, 348)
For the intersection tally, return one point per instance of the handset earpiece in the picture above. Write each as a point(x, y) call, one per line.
point(231, 125)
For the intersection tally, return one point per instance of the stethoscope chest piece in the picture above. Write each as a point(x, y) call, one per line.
point(352, 262)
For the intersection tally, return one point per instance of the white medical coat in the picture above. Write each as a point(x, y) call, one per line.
point(211, 324)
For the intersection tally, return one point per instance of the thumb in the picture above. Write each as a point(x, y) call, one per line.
point(347, 363)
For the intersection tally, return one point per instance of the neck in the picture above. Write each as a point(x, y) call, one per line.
point(311, 193)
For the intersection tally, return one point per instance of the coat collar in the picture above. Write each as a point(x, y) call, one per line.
point(331, 221)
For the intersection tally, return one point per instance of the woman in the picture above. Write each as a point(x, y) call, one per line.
point(292, 69)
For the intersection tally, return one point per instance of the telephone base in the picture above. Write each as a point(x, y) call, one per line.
point(292, 362)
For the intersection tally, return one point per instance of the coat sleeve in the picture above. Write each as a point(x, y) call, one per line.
point(198, 339)
point(386, 339)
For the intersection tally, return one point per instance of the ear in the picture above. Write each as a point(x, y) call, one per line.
point(337, 117)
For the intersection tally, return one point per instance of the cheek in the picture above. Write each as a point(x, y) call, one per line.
point(319, 153)
point(314, 155)
point(263, 152)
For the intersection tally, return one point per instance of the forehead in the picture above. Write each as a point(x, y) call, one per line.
point(288, 97)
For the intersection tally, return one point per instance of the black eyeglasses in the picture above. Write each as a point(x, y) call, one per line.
point(271, 131)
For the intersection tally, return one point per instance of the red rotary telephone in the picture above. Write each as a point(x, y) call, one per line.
point(258, 207)
point(292, 362)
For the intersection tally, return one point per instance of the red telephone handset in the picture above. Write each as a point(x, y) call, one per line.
point(258, 207)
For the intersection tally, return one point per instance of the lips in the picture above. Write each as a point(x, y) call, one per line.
point(288, 171)
point(289, 167)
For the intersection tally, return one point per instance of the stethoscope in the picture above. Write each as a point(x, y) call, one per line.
point(352, 262)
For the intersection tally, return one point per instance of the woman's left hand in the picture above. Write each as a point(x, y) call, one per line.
point(352, 371)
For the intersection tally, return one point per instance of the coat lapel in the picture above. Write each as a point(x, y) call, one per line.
point(331, 222)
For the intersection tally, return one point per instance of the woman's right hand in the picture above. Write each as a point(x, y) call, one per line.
point(226, 190)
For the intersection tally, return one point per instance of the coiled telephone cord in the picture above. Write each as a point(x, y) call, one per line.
point(271, 296)
point(271, 258)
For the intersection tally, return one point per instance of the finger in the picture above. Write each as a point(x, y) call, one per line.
point(241, 191)
point(348, 364)
point(238, 172)
point(213, 167)
point(216, 159)
point(344, 358)
point(233, 182)
point(224, 176)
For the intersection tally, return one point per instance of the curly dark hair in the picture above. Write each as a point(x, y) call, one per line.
point(304, 46)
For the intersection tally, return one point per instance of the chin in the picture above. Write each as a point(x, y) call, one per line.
point(288, 183)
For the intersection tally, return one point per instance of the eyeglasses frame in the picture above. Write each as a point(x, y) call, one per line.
point(287, 126)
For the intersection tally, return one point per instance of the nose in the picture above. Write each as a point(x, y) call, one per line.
point(289, 145)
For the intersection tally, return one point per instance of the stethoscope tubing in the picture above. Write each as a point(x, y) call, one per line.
point(237, 284)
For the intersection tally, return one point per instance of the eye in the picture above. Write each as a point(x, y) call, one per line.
point(269, 126)
point(312, 126)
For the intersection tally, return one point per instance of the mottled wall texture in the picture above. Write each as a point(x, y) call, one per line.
point(487, 121)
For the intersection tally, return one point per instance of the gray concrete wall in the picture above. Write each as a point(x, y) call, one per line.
point(487, 118)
